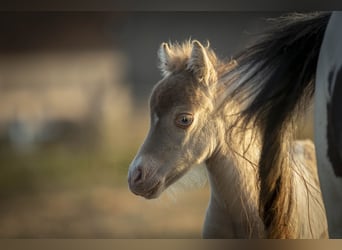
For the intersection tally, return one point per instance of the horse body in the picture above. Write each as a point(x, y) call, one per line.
point(192, 123)
point(327, 123)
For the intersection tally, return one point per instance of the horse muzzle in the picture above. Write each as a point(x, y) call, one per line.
point(145, 183)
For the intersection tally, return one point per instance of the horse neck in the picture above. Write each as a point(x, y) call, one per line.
point(233, 180)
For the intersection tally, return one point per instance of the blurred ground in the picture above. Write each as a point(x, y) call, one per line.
point(102, 212)
point(65, 193)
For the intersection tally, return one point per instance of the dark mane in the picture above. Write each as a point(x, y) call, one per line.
point(276, 81)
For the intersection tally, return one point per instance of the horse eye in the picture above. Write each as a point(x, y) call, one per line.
point(184, 120)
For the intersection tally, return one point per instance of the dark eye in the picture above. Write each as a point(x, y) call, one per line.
point(184, 120)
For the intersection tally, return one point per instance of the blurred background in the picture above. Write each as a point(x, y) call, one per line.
point(74, 90)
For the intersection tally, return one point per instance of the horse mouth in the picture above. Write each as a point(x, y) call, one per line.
point(159, 187)
point(151, 193)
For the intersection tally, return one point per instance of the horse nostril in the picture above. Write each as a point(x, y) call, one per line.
point(138, 175)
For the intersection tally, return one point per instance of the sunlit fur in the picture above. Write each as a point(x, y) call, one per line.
point(216, 138)
point(274, 79)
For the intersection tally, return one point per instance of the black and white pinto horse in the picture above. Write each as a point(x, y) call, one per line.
point(328, 122)
point(296, 62)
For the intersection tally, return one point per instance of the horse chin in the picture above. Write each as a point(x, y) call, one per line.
point(151, 193)
point(160, 187)
point(174, 177)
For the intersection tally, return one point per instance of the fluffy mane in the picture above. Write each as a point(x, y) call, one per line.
point(175, 57)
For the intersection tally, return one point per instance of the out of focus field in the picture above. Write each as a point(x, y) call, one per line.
point(74, 110)
point(69, 132)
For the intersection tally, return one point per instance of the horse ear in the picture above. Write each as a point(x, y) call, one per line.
point(164, 57)
point(200, 64)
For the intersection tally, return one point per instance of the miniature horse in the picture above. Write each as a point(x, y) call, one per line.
point(191, 123)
